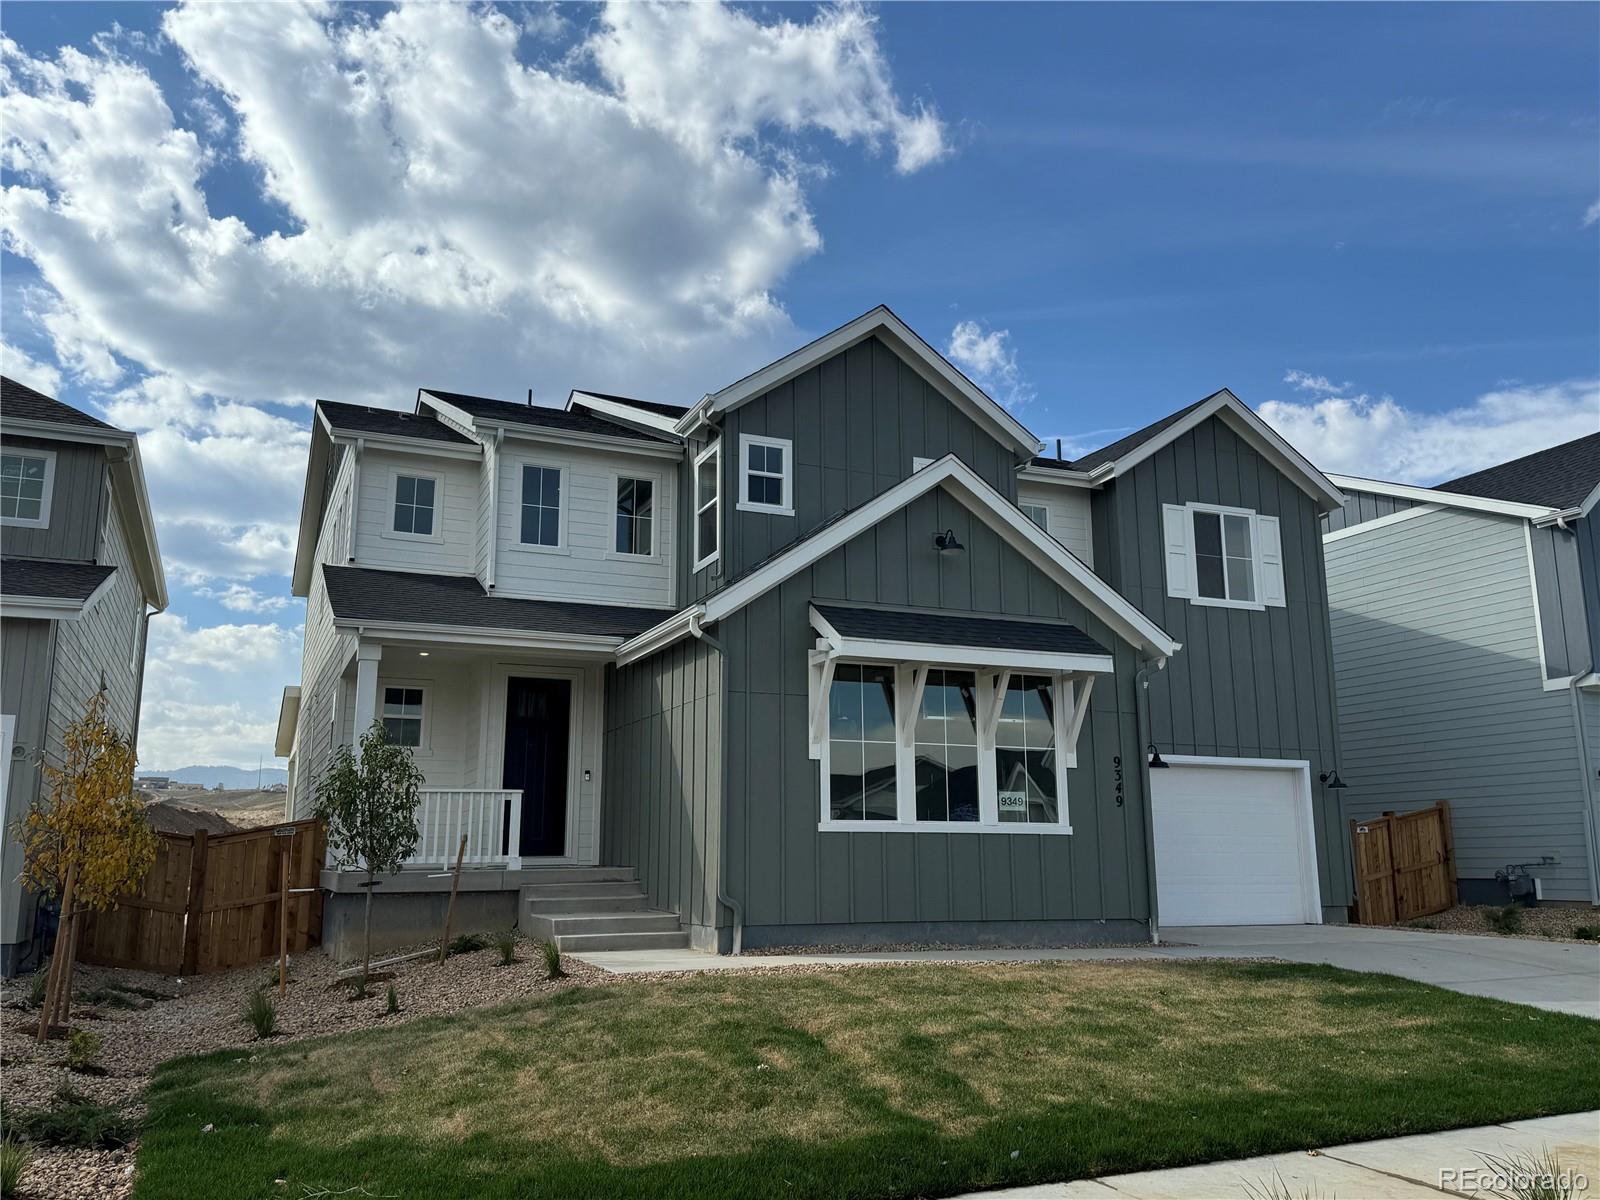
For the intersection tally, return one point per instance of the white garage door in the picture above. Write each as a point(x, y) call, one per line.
point(1233, 845)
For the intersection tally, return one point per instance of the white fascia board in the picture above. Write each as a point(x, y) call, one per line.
point(1069, 571)
point(133, 498)
point(404, 445)
point(1406, 491)
point(945, 654)
point(880, 321)
point(57, 431)
point(1261, 436)
point(44, 608)
point(658, 637)
point(1583, 509)
point(486, 428)
point(288, 719)
point(1379, 523)
point(624, 412)
point(305, 547)
point(1078, 479)
point(472, 635)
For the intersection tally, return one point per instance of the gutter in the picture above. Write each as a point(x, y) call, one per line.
point(1587, 792)
point(735, 910)
point(1142, 703)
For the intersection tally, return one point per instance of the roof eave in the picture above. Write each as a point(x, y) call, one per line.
point(1426, 495)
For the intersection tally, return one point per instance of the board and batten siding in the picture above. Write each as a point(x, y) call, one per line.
point(663, 780)
point(1068, 511)
point(856, 419)
point(800, 884)
point(1564, 618)
point(27, 649)
point(78, 502)
point(1361, 507)
point(1248, 683)
point(1441, 696)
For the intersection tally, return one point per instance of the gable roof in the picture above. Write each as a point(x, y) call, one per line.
point(653, 406)
point(967, 486)
point(19, 401)
point(1560, 477)
point(663, 418)
point(901, 338)
point(390, 422)
point(538, 416)
point(1125, 453)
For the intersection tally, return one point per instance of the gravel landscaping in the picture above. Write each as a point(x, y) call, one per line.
point(205, 1013)
point(1544, 923)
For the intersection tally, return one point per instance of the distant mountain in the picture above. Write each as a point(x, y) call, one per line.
point(229, 777)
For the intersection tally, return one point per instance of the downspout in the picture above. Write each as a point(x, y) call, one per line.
point(138, 690)
point(735, 910)
point(1142, 704)
point(1586, 795)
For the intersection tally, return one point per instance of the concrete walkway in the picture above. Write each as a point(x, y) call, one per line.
point(1559, 976)
point(1426, 1165)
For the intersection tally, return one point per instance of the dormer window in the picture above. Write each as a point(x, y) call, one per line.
point(766, 475)
point(25, 479)
point(414, 499)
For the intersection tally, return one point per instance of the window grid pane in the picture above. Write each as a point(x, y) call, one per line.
point(764, 475)
point(861, 746)
point(22, 487)
point(413, 505)
point(1208, 556)
point(946, 748)
point(1025, 751)
point(402, 715)
point(541, 506)
point(706, 530)
point(635, 511)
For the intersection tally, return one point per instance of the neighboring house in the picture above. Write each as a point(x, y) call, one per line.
point(1466, 626)
point(792, 665)
point(80, 575)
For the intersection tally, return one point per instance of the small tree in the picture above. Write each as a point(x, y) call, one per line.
point(370, 805)
point(85, 840)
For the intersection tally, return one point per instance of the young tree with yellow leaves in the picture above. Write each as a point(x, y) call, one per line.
point(86, 840)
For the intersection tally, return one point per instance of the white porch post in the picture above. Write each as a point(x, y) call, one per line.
point(368, 655)
point(514, 833)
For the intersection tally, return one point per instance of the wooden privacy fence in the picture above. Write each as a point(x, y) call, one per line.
point(1405, 865)
point(209, 903)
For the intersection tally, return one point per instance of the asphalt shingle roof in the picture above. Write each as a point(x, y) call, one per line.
point(48, 578)
point(1115, 450)
point(945, 629)
point(357, 418)
point(368, 594)
point(20, 402)
point(655, 406)
point(1560, 477)
point(539, 415)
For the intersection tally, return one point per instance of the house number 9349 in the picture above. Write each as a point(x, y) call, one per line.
point(1116, 774)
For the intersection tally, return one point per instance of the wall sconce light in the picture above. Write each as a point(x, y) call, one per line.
point(1332, 782)
point(1157, 763)
point(947, 542)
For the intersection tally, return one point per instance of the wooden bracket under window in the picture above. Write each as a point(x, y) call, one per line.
point(906, 716)
point(1075, 691)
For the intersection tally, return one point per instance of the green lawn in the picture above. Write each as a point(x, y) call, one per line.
point(903, 1081)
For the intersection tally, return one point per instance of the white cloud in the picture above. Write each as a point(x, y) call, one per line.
point(239, 597)
point(24, 368)
point(1300, 381)
point(987, 356)
point(1379, 438)
point(1591, 215)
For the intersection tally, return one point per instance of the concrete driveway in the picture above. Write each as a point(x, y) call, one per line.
point(1560, 976)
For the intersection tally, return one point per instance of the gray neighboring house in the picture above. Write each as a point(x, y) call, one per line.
point(80, 576)
point(1466, 627)
point(831, 655)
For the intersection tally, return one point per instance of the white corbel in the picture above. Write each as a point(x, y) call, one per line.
point(822, 662)
point(1075, 690)
point(997, 701)
point(906, 717)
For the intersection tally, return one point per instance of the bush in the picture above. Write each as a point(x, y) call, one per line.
point(83, 1047)
point(506, 944)
point(1587, 933)
point(14, 1159)
point(552, 961)
point(393, 1005)
point(466, 943)
point(71, 1120)
point(1505, 920)
point(38, 984)
point(261, 1014)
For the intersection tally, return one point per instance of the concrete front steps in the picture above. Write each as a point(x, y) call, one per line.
point(595, 908)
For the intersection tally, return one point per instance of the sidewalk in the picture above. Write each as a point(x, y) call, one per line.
point(1395, 1168)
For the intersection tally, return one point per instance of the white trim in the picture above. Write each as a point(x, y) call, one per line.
point(483, 426)
point(1305, 820)
point(627, 412)
point(657, 554)
point(42, 521)
point(899, 336)
point(643, 645)
point(1064, 477)
point(288, 721)
point(1550, 684)
point(1068, 570)
point(424, 746)
point(1033, 662)
point(1040, 827)
point(1405, 491)
point(1257, 567)
point(564, 506)
point(54, 608)
point(1394, 518)
point(422, 447)
point(713, 450)
point(474, 635)
point(400, 535)
point(744, 503)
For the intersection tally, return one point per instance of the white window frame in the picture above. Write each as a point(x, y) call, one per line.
point(1029, 509)
point(401, 535)
point(42, 521)
point(659, 507)
point(786, 508)
point(908, 691)
point(1256, 574)
point(713, 451)
point(562, 513)
point(424, 746)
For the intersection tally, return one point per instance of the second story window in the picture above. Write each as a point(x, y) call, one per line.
point(636, 506)
point(1038, 514)
point(1225, 566)
point(708, 506)
point(766, 475)
point(1223, 557)
point(541, 505)
point(414, 498)
point(25, 479)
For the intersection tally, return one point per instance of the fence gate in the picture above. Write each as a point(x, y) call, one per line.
point(209, 903)
point(1404, 865)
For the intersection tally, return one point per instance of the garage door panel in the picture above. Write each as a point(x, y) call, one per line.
point(1229, 846)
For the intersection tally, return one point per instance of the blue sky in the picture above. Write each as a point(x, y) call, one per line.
point(1377, 224)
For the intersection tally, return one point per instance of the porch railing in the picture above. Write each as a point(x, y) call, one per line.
point(445, 814)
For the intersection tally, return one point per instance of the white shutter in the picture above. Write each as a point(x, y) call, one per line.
point(1180, 562)
point(1271, 561)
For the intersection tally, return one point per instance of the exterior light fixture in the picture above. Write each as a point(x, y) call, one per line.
point(948, 543)
point(422, 654)
point(1157, 763)
point(1332, 782)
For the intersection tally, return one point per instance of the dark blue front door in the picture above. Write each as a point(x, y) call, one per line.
point(538, 724)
